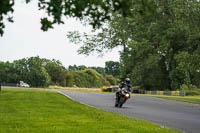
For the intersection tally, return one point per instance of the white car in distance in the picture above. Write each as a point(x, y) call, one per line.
point(22, 84)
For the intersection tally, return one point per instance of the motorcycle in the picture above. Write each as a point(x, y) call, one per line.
point(123, 96)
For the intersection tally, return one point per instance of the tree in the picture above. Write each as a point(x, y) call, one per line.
point(170, 33)
point(112, 68)
point(57, 72)
point(166, 36)
point(100, 70)
point(8, 73)
point(6, 7)
point(115, 35)
point(32, 71)
point(75, 67)
point(38, 77)
point(161, 47)
point(93, 11)
point(72, 68)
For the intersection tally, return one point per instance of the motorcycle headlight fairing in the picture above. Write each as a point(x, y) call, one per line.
point(127, 95)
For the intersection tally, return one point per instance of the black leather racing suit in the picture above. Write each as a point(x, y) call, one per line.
point(122, 85)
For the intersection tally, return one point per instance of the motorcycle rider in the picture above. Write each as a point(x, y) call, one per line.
point(123, 85)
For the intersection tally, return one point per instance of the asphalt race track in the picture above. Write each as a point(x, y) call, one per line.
point(172, 114)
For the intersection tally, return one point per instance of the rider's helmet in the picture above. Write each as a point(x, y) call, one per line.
point(127, 80)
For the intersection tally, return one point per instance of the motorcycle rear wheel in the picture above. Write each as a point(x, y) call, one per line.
point(120, 105)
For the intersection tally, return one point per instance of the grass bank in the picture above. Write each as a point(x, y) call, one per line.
point(31, 111)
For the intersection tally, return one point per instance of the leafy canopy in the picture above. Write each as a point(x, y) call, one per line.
point(96, 12)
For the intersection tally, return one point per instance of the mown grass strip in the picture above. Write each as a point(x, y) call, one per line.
point(31, 111)
point(188, 99)
point(58, 88)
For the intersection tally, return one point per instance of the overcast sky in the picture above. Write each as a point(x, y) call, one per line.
point(23, 38)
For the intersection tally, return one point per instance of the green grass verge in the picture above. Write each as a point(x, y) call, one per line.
point(57, 88)
point(188, 99)
point(31, 111)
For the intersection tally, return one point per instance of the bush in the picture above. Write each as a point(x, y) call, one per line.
point(69, 79)
point(190, 90)
point(111, 79)
point(38, 77)
point(188, 87)
point(192, 93)
point(89, 78)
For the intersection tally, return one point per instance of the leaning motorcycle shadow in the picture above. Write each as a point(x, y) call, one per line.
point(123, 107)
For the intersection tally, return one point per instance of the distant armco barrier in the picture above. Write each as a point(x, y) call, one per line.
point(109, 89)
point(168, 93)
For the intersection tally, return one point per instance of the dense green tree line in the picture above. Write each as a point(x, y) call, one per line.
point(160, 41)
point(111, 68)
point(164, 49)
point(40, 72)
